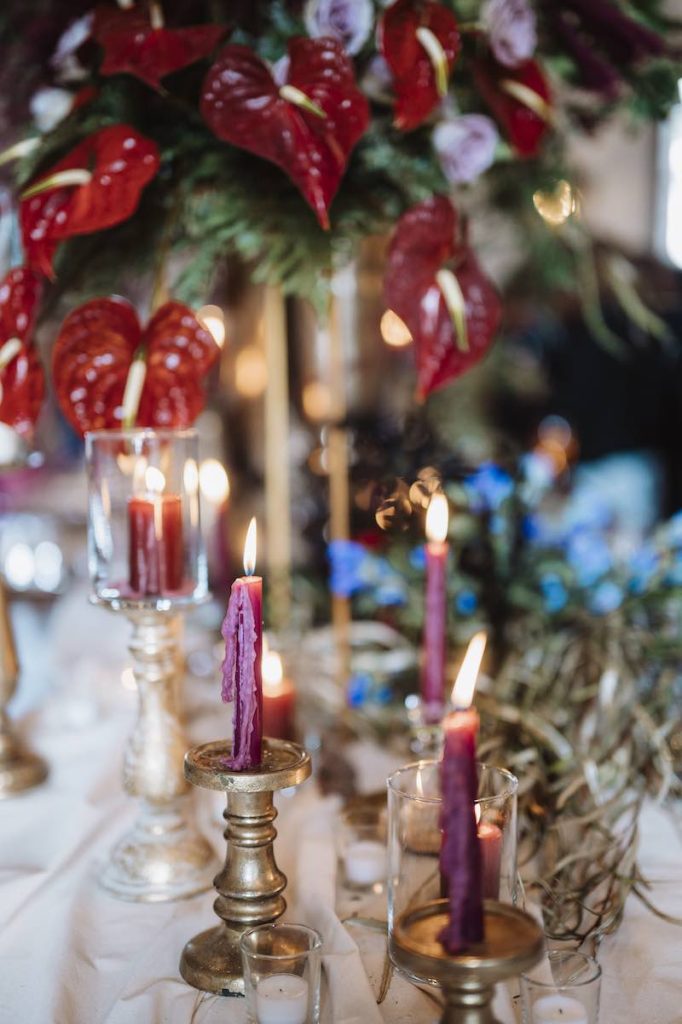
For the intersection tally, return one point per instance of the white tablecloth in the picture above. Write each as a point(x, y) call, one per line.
point(70, 954)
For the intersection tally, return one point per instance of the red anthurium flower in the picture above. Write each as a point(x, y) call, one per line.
point(308, 126)
point(520, 100)
point(420, 43)
point(22, 384)
point(435, 285)
point(109, 371)
point(138, 44)
point(96, 185)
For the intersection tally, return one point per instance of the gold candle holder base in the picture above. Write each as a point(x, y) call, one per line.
point(163, 857)
point(20, 769)
point(250, 885)
point(513, 943)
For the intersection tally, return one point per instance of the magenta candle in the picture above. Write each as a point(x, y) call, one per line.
point(460, 855)
point(435, 606)
point(242, 684)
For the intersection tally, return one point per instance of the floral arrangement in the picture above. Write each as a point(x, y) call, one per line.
point(282, 132)
point(582, 696)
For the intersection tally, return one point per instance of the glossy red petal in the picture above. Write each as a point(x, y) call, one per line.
point(424, 242)
point(90, 362)
point(121, 161)
point(180, 352)
point(415, 77)
point(525, 122)
point(22, 383)
point(241, 103)
point(19, 298)
point(22, 389)
point(131, 45)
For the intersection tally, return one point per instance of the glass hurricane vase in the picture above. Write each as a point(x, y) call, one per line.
point(146, 561)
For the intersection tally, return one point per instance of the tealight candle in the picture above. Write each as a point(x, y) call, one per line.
point(365, 862)
point(564, 1009)
point(282, 999)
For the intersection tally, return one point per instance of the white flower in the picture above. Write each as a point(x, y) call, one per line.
point(64, 60)
point(349, 21)
point(465, 146)
point(49, 106)
point(510, 25)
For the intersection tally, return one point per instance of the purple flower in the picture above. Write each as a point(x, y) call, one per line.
point(349, 21)
point(510, 25)
point(465, 146)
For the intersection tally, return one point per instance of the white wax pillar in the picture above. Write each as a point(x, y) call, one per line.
point(365, 862)
point(564, 1009)
point(282, 999)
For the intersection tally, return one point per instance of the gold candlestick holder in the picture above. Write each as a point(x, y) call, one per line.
point(513, 943)
point(20, 769)
point(163, 857)
point(250, 885)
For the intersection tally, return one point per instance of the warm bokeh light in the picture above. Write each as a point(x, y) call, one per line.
point(250, 545)
point(556, 207)
point(190, 476)
point(465, 683)
point(437, 515)
point(272, 671)
point(394, 331)
point(154, 480)
point(250, 372)
point(317, 400)
point(213, 319)
point(214, 481)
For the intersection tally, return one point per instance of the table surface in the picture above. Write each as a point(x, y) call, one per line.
point(71, 954)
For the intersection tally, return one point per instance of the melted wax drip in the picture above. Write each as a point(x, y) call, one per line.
point(239, 679)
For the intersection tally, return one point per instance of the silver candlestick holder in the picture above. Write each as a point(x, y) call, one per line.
point(163, 857)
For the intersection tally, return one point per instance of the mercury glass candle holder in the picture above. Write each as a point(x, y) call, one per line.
point(146, 561)
point(414, 839)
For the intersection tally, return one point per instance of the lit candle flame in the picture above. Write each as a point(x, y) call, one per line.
point(271, 668)
point(437, 515)
point(477, 813)
point(154, 480)
point(465, 683)
point(250, 548)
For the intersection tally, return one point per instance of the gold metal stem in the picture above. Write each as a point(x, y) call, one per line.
point(20, 769)
point(250, 887)
point(163, 857)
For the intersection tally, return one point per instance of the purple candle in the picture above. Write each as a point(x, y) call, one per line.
point(434, 651)
point(242, 631)
point(460, 854)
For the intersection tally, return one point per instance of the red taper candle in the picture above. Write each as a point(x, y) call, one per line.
point(460, 855)
point(156, 553)
point(279, 699)
point(242, 631)
point(435, 609)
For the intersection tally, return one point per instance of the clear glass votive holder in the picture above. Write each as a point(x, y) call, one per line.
point(414, 835)
point(363, 856)
point(565, 987)
point(282, 969)
point(144, 537)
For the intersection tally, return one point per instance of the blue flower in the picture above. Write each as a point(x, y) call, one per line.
point(643, 566)
point(391, 593)
point(418, 558)
point(488, 487)
point(348, 562)
point(466, 602)
point(673, 576)
point(554, 592)
point(358, 691)
point(606, 598)
point(589, 556)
